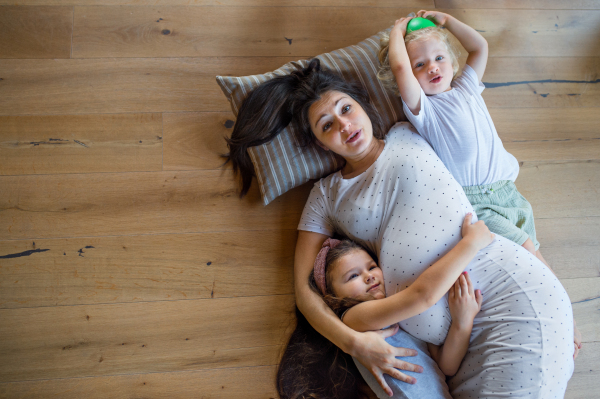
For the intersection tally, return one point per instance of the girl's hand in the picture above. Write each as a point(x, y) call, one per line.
point(464, 302)
point(439, 18)
point(477, 234)
point(399, 29)
point(379, 357)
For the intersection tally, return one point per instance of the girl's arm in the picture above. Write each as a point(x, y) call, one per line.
point(429, 287)
point(464, 303)
point(370, 348)
point(471, 40)
point(408, 85)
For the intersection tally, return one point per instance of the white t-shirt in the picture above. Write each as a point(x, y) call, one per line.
point(406, 208)
point(458, 126)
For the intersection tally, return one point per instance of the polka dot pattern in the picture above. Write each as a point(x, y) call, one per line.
point(408, 209)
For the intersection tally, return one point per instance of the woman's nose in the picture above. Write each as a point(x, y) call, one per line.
point(344, 124)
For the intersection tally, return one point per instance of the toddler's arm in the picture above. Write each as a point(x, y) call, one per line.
point(464, 305)
point(471, 40)
point(431, 285)
point(408, 85)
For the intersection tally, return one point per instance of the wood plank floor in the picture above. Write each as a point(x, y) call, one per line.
point(128, 266)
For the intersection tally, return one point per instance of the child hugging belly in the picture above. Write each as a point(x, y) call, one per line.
point(352, 284)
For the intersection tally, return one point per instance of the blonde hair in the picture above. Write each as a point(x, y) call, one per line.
point(385, 75)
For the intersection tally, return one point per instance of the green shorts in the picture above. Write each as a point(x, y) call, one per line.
point(504, 210)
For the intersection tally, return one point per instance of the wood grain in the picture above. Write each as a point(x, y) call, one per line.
point(561, 190)
point(146, 268)
point(520, 4)
point(518, 124)
point(540, 82)
point(37, 87)
point(35, 32)
point(164, 31)
point(104, 204)
point(428, 4)
point(80, 341)
point(585, 377)
point(195, 31)
point(121, 85)
point(548, 151)
point(196, 140)
point(570, 245)
point(80, 143)
point(243, 382)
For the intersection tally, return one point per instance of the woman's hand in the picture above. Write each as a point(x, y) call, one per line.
point(379, 357)
point(464, 302)
point(477, 234)
point(439, 18)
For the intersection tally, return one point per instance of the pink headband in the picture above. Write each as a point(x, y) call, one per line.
point(319, 268)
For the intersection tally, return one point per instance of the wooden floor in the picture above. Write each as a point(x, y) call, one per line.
point(128, 266)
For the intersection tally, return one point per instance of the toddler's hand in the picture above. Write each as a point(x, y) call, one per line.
point(477, 233)
point(438, 17)
point(399, 29)
point(464, 302)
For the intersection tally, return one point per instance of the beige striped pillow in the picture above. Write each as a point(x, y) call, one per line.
point(281, 164)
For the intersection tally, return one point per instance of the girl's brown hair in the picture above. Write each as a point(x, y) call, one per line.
point(312, 366)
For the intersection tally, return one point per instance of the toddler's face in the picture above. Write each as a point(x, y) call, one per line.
point(431, 65)
point(356, 275)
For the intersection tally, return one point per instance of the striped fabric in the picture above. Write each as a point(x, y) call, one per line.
point(281, 164)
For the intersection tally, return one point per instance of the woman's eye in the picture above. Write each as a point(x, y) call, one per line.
point(326, 126)
point(345, 109)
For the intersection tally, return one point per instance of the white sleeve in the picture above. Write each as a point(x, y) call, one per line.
point(315, 216)
point(422, 121)
point(469, 82)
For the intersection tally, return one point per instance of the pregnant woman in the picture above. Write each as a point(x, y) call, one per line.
point(396, 197)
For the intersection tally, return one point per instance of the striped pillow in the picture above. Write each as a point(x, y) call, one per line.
point(281, 164)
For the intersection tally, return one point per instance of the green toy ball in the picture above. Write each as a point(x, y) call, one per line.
point(418, 23)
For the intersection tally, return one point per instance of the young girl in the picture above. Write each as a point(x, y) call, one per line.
point(452, 116)
point(352, 284)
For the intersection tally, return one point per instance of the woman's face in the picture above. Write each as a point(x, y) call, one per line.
point(356, 275)
point(340, 124)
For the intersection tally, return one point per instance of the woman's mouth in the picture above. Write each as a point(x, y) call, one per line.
point(437, 79)
point(353, 137)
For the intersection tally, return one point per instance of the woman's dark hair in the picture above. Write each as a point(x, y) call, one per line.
point(271, 106)
point(311, 365)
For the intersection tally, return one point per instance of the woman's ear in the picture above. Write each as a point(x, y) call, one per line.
point(321, 145)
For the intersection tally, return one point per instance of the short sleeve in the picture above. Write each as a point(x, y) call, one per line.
point(423, 119)
point(315, 216)
point(468, 81)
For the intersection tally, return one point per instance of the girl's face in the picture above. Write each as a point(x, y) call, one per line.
point(341, 125)
point(431, 64)
point(356, 275)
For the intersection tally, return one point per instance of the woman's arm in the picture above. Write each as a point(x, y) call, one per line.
point(471, 40)
point(408, 85)
point(369, 348)
point(464, 303)
point(429, 287)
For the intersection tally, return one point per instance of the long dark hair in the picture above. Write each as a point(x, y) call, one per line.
point(271, 106)
point(311, 365)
